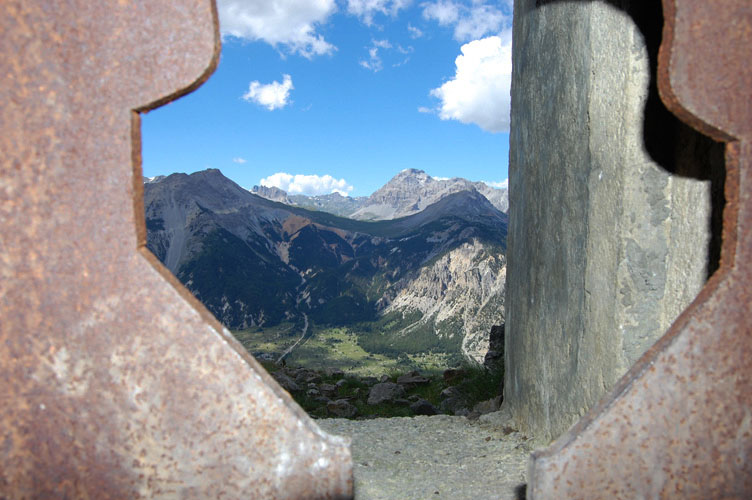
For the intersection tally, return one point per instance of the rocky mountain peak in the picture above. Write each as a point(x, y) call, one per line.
point(412, 191)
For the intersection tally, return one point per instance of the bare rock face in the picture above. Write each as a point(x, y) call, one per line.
point(385, 392)
point(272, 193)
point(466, 283)
point(413, 190)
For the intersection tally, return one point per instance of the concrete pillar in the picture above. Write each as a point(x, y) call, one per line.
point(611, 209)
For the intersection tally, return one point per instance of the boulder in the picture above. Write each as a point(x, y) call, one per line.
point(341, 408)
point(451, 392)
point(423, 407)
point(487, 406)
point(495, 356)
point(328, 389)
point(462, 412)
point(385, 392)
point(286, 382)
point(384, 378)
point(412, 379)
point(453, 401)
point(453, 374)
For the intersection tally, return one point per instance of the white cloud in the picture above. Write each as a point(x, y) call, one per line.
point(446, 12)
point(272, 95)
point(382, 44)
point(238, 159)
point(307, 184)
point(289, 23)
point(470, 21)
point(498, 185)
point(366, 9)
point(375, 62)
point(414, 32)
point(423, 109)
point(479, 91)
point(481, 20)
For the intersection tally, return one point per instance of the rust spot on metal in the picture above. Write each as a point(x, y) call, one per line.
point(678, 423)
point(116, 382)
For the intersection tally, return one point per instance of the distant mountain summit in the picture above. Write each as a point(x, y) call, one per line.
point(431, 280)
point(407, 193)
point(413, 190)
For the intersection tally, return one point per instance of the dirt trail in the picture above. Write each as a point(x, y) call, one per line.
point(289, 349)
point(435, 457)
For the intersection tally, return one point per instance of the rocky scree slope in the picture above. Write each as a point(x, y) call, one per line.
point(255, 262)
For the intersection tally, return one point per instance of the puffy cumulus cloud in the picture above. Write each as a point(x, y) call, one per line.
point(471, 21)
point(479, 91)
point(445, 12)
point(289, 23)
point(272, 96)
point(366, 9)
point(307, 184)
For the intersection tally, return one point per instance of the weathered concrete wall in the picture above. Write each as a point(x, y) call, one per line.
point(610, 217)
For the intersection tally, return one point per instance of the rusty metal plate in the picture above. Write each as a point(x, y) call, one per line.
point(114, 381)
point(679, 424)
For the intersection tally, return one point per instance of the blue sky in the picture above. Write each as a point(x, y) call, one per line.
point(316, 96)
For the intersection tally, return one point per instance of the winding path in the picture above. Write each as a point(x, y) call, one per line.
point(289, 349)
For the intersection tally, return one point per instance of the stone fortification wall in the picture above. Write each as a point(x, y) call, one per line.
point(611, 207)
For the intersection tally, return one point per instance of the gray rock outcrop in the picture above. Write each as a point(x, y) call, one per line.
point(385, 392)
point(461, 293)
point(610, 216)
point(413, 190)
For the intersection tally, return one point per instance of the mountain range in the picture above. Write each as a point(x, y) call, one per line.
point(407, 193)
point(430, 280)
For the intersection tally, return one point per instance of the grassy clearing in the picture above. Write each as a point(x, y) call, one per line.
point(335, 348)
point(341, 348)
point(271, 340)
point(338, 348)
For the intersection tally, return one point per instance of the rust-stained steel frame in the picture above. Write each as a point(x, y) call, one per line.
point(679, 423)
point(114, 381)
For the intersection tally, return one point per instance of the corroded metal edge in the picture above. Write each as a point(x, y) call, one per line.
point(117, 383)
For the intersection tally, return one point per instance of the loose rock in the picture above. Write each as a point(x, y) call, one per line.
point(286, 382)
point(423, 407)
point(385, 392)
point(342, 408)
point(412, 379)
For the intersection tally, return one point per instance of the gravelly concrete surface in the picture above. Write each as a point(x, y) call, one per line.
point(439, 457)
